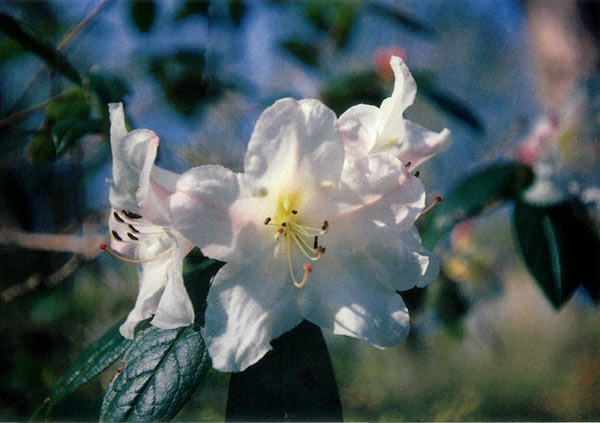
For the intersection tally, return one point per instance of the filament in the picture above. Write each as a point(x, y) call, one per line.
point(118, 256)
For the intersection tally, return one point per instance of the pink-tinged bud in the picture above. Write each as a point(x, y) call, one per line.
point(381, 61)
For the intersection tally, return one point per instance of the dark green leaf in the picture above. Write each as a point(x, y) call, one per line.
point(472, 195)
point(193, 7)
point(109, 88)
point(560, 248)
point(451, 304)
point(143, 14)
point(53, 58)
point(449, 103)
point(398, 16)
point(184, 80)
point(10, 49)
point(237, 8)
point(93, 361)
point(305, 52)
point(72, 103)
point(293, 382)
point(347, 90)
point(343, 21)
point(67, 131)
point(161, 371)
point(41, 148)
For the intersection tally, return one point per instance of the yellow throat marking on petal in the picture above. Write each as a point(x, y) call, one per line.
point(291, 227)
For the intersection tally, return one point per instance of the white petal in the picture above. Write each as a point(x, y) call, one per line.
point(341, 295)
point(405, 89)
point(294, 142)
point(133, 157)
point(384, 190)
point(250, 303)
point(152, 278)
point(201, 207)
point(404, 264)
point(420, 144)
point(175, 308)
point(358, 126)
point(154, 203)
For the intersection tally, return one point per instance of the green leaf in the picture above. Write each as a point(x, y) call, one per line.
point(451, 305)
point(41, 148)
point(560, 247)
point(143, 14)
point(293, 382)
point(72, 102)
point(336, 17)
point(184, 80)
point(93, 361)
point(193, 7)
point(237, 9)
point(446, 101)
point(398, 16)
point(161, 371)
point(109, 88)
point(482, 189)
point(67, 131)
point(305, 52)
point(342, 92)
point(30, 41)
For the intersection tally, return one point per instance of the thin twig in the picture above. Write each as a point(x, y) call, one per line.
point(86, 245)
point(23, 114)
point(35, 280)
point(66, 40)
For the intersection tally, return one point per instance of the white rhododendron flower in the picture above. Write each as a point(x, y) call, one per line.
point(141, 229)
point(370, 130)
point(303, 237)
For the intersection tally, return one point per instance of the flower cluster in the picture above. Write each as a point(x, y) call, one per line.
point(319, 226)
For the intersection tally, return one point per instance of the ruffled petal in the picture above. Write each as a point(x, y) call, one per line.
point(382, 191)
point(152, 278)
point(154, 204)
point(175, 308)
point(358, 126)
point(294, 142)
point(420, 144)
point(391, 125)
point(250, 303)
point(404, 263)
point(133, 158)
point(343, 296)
point(201, 209)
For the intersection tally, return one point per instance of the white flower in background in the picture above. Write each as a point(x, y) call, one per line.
point(141, 228)
point(303, 238)
point(370, 130)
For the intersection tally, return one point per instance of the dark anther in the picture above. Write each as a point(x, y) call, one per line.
point(267, 220)
point(294, 211)
point(132, 236)
point(133, 229)
point(117, 217)
point(417, 173)
point(408, 164)
point(116, 236)
point(316, 243)
point(325, 225)
point(131, 215)
point(284, 224)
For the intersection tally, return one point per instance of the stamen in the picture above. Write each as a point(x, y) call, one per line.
point(117, 217)
point(267, 220)
point(307, 268)
point(133, 229)
point(320, 251)
point(279, 234)
point(417, 173)
point(437, 200)
point(116, 255)
point(304, 247)
point(316, 243)
point(325, 226)
point(407, 165)
point(132, 236)
point(131, 215)
point(284, 224)
point(294, 211)
point(116, 236)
